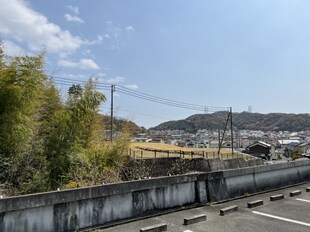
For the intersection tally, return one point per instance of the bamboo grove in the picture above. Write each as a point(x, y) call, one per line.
point(47, 142)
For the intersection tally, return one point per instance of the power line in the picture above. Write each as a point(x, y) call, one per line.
point(169, 102)
point(146, 115)
point(163, 100)
point(142, 96)
point(70, 82)
point(151, 96)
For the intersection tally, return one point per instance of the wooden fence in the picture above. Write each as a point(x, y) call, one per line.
point(144, 153)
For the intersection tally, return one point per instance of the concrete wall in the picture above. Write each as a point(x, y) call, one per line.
point(164, 166)
point(101, 205)
point(94, 206)
point(239, 182)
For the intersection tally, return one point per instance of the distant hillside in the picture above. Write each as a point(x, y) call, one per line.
point(241, 121)
point(121, 124)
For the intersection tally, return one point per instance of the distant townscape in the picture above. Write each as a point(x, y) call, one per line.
point(253, 133)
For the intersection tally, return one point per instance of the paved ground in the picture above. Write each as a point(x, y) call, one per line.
point(289, 214)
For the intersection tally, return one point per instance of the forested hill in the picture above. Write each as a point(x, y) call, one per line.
point(121, 124)
point(241, 121)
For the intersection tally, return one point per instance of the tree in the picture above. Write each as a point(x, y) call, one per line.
point(77, 129)
point(23, 86)
point(46, 143)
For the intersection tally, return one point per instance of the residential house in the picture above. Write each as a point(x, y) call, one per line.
point(259, 149)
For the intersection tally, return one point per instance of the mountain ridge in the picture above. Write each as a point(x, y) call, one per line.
point(241, 121)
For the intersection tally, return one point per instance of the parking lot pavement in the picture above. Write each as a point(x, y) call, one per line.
point(288, 214)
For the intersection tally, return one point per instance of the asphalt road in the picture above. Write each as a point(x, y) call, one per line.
point(289, 214)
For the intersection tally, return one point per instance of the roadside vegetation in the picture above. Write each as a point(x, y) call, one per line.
point(47, 142)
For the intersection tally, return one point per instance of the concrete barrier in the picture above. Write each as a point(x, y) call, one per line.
point(163, 166)
point(228, 210)
point(295, 193)
point(91, 207)
point(253, 204)
point(107, 204)
point(277, 197)
point(155, 228)
point(195, 219)
point(229, 184)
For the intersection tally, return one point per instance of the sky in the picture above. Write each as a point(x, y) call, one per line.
point(213, 53)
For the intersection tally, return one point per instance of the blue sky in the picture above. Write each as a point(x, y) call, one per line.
point(214, 53)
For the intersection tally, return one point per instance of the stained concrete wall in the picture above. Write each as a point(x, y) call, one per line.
point(94, 206)
point(229, 184)
point(100, 205)
point(164, 166)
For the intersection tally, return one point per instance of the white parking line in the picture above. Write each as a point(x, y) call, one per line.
point(282, 218)
point(299, 199)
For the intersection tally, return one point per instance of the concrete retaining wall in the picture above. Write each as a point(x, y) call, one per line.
point(165, 166)
point(239, 182)
point(100, 205)
point(94, 206)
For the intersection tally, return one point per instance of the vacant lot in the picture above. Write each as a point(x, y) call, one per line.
point(158, 150)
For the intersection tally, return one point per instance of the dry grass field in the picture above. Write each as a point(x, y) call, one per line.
point(159, 150)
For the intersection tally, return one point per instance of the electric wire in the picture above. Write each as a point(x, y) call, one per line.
point(166, 101)
point(140, 95)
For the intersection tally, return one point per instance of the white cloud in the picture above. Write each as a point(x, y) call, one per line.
point(73, 18)
point(88, 64)
point(99, 38)
point(133, 86)
point(83, 64)
point(89, 54)
point(129, 28)
point(67, 63)
point(74, 76)
point(12, 49)
point(74, 9)
point(113, 29)
point(115, 35)
point(116, 80)
point(96, 41)
point(19, 21)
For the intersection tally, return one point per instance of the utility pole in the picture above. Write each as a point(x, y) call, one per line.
point(232, 133)
point(219, 137)
point(229, 119)
point(112, 91)
point(221, 140)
